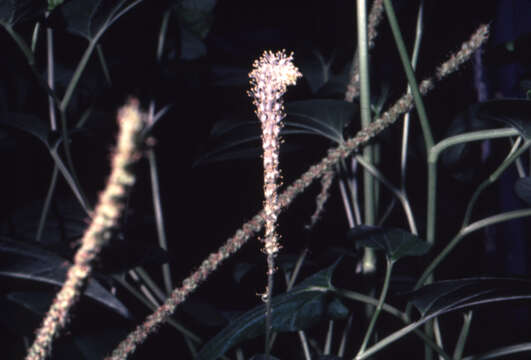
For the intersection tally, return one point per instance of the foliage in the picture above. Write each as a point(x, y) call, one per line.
point(406, 211)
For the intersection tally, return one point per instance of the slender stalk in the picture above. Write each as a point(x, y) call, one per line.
point(157, 204)
point(397, 192)
point(407, 117)
point(514, 154)
point(104, 67)
point(392, 311)
point(502, 351)
point(162, 34)
point(369, 260)
point(383, 294)
point(316, 171)
point(329, 335)
point(461, 340)
point(489, 221)
point(35, 36)
point(406, 63)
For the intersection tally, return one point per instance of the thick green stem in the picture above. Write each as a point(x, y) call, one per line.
point(369, 260)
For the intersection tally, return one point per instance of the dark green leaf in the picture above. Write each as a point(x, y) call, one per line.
point(522, 188)
point(324, 117)
point(444, 296)
point(298, 309)
point(86, 18)
point(231, 140)
point(204, 313)
point(27, 123)
point(13, 11)
point(20, 260)
point(513, 112)
point(396, 243)
point(263, 357)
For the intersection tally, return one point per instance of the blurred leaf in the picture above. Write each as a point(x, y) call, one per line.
point(241, 269)
point(522, 188)
point(444, 296)
point(195, 19)
point(204, 313)
point(323, 117)
point(13, 11)
point(231, 140)
point(263, 357)
point(23, 261)
point(454, 156)
point(27, 123)
point(52, 4)
point(86, 18)
point(396, 243)
point(298, 309)
point(513, 112)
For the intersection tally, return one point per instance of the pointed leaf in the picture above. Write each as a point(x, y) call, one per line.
point(444, 296)
point(324, 117)
point(20, 260)
point(522, 188)
point(513, 112)
point(396, 243)
point(295, 310)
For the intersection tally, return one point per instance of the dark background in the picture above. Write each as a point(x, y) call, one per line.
point(204, 78)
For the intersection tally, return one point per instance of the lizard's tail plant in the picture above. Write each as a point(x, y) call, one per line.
point(104, 219)
point(316, 171)
point(272, 73)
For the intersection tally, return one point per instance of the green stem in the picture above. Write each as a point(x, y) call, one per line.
point(104, 66)
point(513, 155)
point(393, 311)
point(378, 309)
point(162, 34)
point(47, 203)
point(407, 116)
point(30, 59)
point(461, 341)
point(35, 36)
point(502, 351)
point(491, 220)
point(406, 63)
point(436, 150)
point(369, 260)
point(397, 192)
point(77, 75)
point(157, 204)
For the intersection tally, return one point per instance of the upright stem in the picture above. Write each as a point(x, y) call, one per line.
point(365, 109)
point(376, 313)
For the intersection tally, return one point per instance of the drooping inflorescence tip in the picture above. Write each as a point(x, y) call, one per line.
point(271, 74)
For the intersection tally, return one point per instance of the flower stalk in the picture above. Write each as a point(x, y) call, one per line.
point(316, 171)
point(104, 219)
point(271, 74)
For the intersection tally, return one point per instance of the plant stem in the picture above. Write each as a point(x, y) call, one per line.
point(491, 220)
point(163, 243)
point(383, 294)
point(369, 260)
point(461, 341)
point(513, 155)
point(406, 63)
